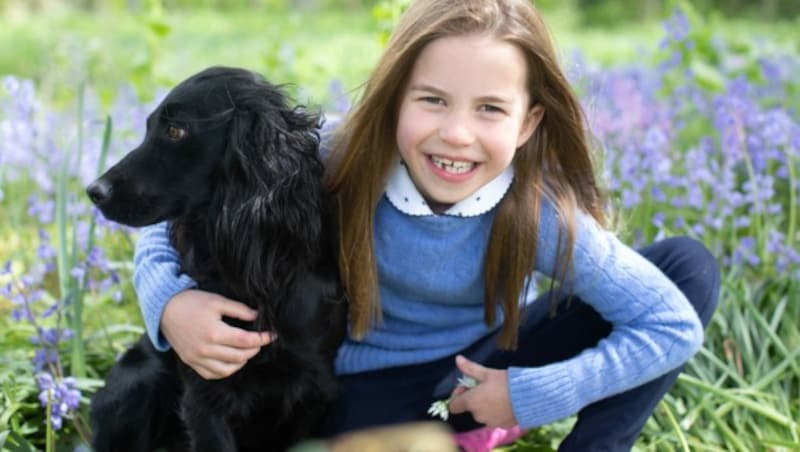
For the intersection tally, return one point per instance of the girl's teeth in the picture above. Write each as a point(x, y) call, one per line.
point(452, 167)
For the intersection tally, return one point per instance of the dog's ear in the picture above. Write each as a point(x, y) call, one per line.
point(271, 179)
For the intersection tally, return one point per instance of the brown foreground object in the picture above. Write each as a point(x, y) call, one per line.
point(410, 437)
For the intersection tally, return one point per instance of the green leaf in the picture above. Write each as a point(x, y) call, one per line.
point(708, 76)
point(12, 442)
point(159, 28)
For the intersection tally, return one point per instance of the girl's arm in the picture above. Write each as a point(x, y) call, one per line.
point(655, 329)
point(156, 278)
point(191, 321)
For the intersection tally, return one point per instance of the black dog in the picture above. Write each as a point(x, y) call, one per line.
point(236, 173)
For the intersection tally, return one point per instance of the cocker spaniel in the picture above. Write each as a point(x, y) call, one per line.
point(235, 172)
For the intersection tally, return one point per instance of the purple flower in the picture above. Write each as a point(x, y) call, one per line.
point(44, 357)
point(677, 26)
point(741, 222)
point(50, 336)
point(62, 396)
point(43, 211)
point(45, 252)
point(96, 258)
point(341, 103)
point(658, 220)
point(49, 311)
point(78, 273)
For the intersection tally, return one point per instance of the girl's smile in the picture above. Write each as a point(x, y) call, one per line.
point(452, 170)
point(463, 114)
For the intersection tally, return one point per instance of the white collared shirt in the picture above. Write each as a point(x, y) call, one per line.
point(403, 194)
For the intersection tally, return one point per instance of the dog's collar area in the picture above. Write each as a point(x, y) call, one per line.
point(404, 196)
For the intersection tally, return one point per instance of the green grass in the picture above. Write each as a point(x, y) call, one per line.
point(308, 50)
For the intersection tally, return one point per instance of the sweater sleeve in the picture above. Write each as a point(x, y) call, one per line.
point(156, 278)
point(326, 134)
point(654, 328)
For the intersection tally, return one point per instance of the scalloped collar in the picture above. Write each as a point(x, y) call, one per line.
point(403, 194)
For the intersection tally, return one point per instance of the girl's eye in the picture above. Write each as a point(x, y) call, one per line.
point(175, 133)
point(433, 100)
point(490, 109)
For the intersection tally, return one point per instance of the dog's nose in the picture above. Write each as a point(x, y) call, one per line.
point(99, 191)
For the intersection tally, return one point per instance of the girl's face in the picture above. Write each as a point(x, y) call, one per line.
point(463, 114)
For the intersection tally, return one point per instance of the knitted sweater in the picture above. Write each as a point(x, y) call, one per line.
point(430, 271)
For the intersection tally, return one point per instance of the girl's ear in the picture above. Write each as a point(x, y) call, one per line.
point(530, 123)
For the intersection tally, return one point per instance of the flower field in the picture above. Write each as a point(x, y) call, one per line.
point(699, 137)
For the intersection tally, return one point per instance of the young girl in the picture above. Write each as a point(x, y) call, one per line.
point(463, 170)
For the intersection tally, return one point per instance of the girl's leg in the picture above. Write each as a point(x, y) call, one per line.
point(385, 397)
point(403, 394)
point(611, 424)
point(615, 423)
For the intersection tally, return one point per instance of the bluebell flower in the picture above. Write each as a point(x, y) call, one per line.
point(21, 313)
point(658, 220)
point(49, 311)
point(770, 70)
point(45, 252)
point(677, 26)
point(96, 259)
point(43, 211)
point(741, 222)
point(341, 103)
point(50, 336)
point(62, 396)
point(77, 273)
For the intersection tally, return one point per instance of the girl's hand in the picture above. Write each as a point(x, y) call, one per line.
point(489, 401)
point(192, 323)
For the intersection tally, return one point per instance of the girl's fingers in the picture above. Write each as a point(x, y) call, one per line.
point(237, 337)
point(471, 369)
point(222, 362)
point(231, 355)
point(231, 336)
point(459, 404)
point(214, 370)
point(459, 390)
point(235, 309)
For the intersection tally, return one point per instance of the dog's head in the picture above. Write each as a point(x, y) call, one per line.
point(223, 137)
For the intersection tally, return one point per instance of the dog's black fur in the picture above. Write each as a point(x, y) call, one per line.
point(236, 173)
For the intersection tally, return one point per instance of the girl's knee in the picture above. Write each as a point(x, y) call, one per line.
point(698, 275)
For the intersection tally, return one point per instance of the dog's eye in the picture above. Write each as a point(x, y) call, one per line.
point(175, 133)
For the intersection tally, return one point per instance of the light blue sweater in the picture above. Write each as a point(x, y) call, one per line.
point(430, 271)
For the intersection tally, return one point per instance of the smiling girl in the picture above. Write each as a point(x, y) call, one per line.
point(461, 172)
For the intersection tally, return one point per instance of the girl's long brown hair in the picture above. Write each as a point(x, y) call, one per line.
point(555, 162)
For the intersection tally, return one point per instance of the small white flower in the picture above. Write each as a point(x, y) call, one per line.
point(441, 408)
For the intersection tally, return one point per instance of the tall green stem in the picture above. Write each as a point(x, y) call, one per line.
point(78, 362)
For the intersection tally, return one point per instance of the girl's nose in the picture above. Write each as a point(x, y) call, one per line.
point(456, 131)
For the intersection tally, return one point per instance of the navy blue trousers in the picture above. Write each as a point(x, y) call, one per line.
point(403, 394)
